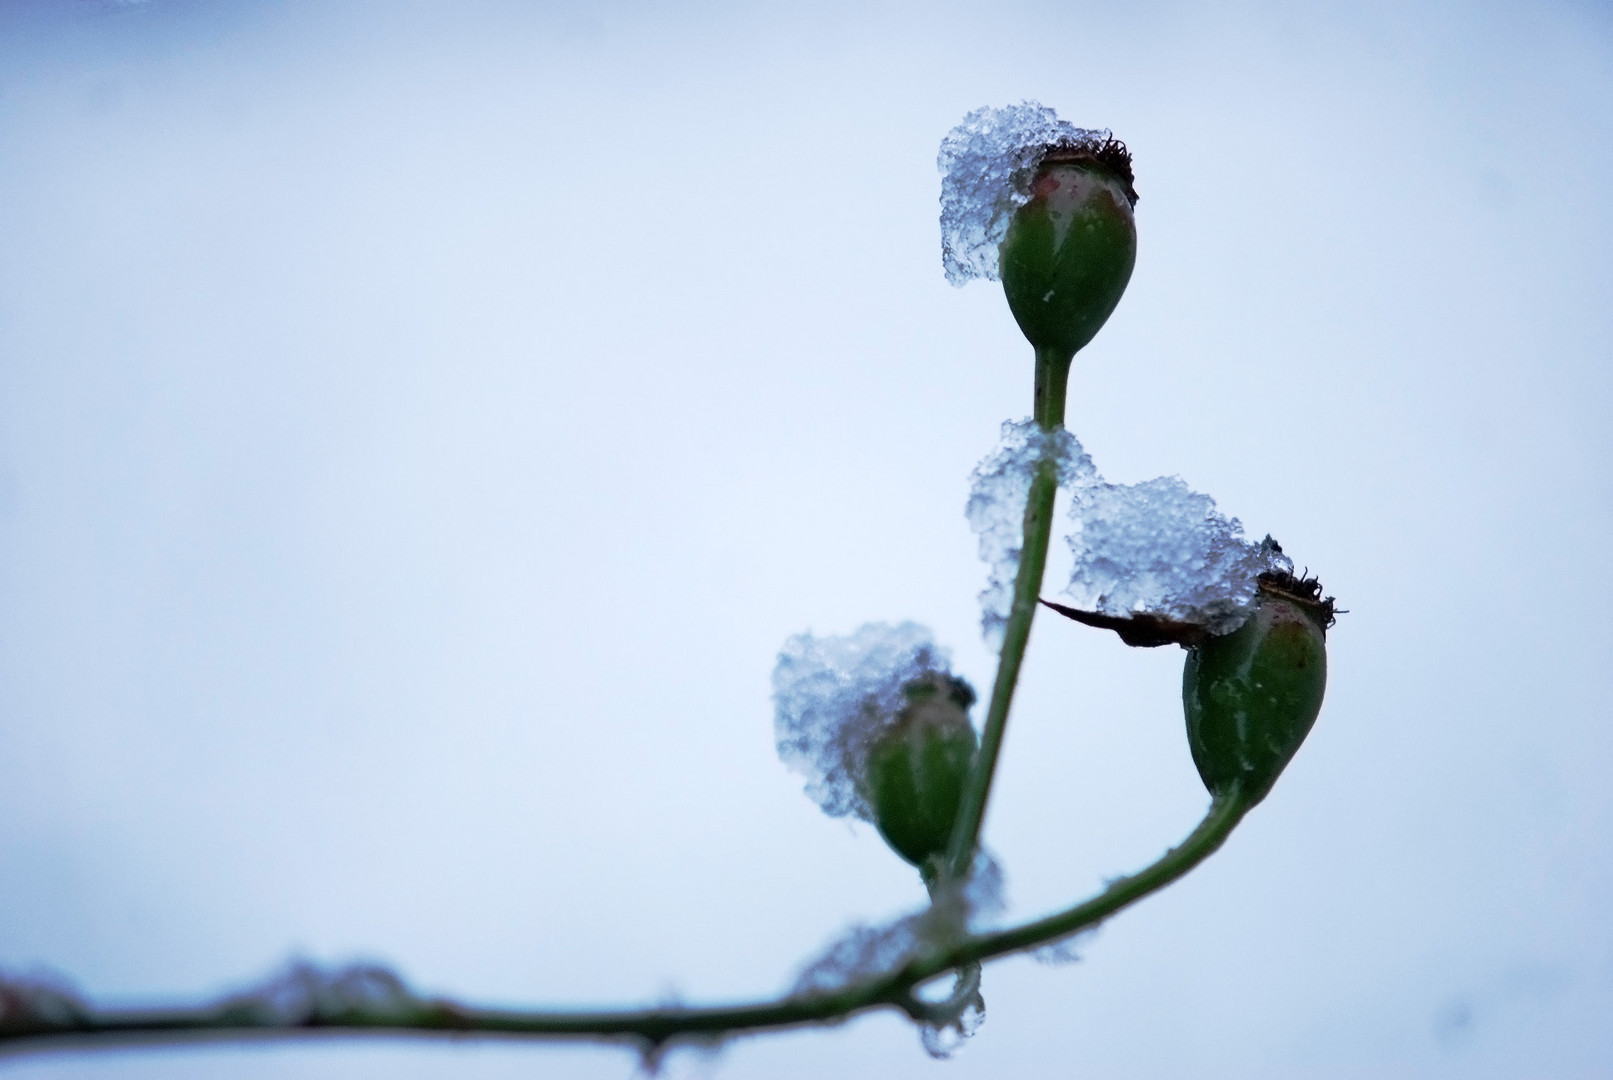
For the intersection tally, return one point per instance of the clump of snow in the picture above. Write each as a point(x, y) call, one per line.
point(998, 490)
point(306, 993)
point(1157, 547)
point(834, 696)
point(987, 163)
point(1162, 548)
point(860, 952)
point(1065, 950)
point(868, 951)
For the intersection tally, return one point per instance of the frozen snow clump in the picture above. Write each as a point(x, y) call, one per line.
point(980, 897)
point(864, 951)
point(1157, 547)
point(986, 165)
point(1161, 547)
point(305, 993)
point(998, 489)
point(1065, 950)
point(833, 697)
point(860, 952)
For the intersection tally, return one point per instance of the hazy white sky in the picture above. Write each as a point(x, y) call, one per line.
point(421, 424)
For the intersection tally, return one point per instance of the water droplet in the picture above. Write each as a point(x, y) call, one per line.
point(944, 1040)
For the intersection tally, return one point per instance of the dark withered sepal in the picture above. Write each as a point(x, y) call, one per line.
point(1142, 631)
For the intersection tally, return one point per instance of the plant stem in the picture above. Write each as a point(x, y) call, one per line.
point(649, 1029)
point(1052, 387)
point(1225, 812)
point(21, 1030)
point(1052, 381)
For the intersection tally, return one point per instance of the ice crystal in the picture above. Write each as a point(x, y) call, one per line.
point(1162, 548)
point(833, 697)
point(986, 165)
point(861, 951)
point(996, 510)
point(864, 951)
point(942, 1041)
point(306, 993)
point(1066, 950)
point(1157, 547)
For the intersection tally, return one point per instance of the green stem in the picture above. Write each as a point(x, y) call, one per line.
point(1225, 812)
point(652, 1028)
point(1052, 381)
point(1052, 386)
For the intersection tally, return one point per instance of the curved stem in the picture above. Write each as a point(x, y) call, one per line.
point(651, 1028)
point(63, 1023)
point(1225, 812)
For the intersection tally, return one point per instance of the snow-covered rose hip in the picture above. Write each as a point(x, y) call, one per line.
point(914, 775)
point(1251, 696)
point(1069, 250)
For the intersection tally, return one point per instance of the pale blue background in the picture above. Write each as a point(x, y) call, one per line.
point(420, 425)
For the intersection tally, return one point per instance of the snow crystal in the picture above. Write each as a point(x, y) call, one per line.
point(986, 165)
point(833, 697)
point(998, 490)
point(866, 951)
point(979, 897)
point(1065, 950)
point(1157, 547)
point(861, 951)
point(1161, 547)
point(305, 992)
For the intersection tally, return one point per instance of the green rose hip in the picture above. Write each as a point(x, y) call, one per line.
point(916, 770)
point(1251, 696)
point(1069, 251)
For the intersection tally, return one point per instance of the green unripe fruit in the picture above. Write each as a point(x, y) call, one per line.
point(1251, 696)
point(916, 770)
point(1069, 251)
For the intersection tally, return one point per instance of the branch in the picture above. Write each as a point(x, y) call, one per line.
point(66, 1024)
